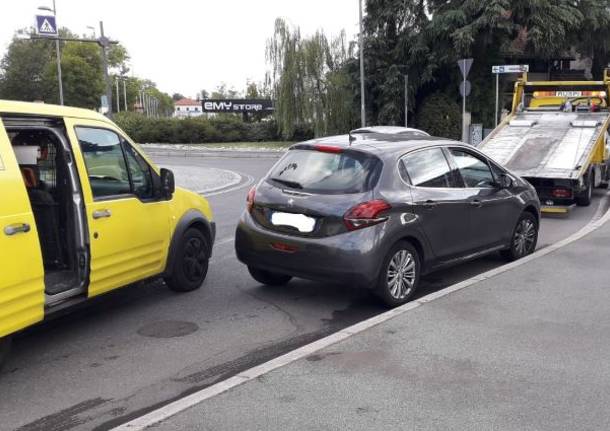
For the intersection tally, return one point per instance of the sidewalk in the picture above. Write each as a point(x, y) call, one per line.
point(528, 349)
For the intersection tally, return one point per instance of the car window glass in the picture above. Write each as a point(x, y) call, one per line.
point(474, 171)
point(104, 160)
point(428, 168)
point(325, 173)
point(140, 173)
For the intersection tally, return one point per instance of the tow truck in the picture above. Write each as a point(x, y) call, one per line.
point(556, 137)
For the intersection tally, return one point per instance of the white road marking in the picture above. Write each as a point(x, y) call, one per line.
point(198, 397)
point(249, 181)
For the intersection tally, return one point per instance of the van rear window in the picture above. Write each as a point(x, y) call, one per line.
point(326, 172)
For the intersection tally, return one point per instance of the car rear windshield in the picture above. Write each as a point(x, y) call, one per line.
point(326, 172)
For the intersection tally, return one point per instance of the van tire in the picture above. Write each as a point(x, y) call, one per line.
point(267, 277)
point(5, 349)
point(191, 263)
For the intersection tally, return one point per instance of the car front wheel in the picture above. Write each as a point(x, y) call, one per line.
point(191, 263)
point(267, 277)
point(524, 239)
point(399, 277)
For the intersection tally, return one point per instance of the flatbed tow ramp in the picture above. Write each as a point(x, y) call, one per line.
point(557, 138)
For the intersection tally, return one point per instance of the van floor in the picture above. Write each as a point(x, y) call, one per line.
point(59, 281)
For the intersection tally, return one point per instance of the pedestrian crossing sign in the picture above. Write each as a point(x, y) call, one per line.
point(46, 25)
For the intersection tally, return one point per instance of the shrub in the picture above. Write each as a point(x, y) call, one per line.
point(440, 116)
point(194, 130)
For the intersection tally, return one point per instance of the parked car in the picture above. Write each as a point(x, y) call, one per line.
point(84, 212)
point(381, 210)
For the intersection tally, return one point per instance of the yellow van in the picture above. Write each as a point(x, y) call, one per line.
point(83, 212)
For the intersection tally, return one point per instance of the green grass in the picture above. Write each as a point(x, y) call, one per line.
point(274, 145)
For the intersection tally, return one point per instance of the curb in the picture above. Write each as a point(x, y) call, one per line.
point(178, 406)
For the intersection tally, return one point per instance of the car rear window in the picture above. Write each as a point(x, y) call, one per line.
point(326, 172)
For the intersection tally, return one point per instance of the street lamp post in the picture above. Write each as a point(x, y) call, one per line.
point(57, 53)
point(362, 99)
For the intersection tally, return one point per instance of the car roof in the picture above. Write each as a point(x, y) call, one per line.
point(48, 110)
point(389, 130)
point(382, 144)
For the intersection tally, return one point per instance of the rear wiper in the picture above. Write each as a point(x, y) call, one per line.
point(288, 183)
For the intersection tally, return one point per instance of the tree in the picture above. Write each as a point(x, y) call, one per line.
point(177, 96)
point(23, 69)
point(439, 115)
point(310, 87)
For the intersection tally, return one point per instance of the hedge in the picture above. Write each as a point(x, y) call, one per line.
point(195, 130)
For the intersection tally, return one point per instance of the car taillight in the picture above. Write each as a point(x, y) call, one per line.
point(366, 214)
point(250, 198)
point(561, 193)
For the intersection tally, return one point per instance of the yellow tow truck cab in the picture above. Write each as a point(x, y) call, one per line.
point(84, 212)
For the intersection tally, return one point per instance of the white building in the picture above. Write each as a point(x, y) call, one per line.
point(186, 107)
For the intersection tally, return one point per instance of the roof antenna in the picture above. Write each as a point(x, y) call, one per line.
point(352, 138)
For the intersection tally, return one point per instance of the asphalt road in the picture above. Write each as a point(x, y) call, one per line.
point(138, 348)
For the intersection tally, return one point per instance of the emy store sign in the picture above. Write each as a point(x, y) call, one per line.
point(237, 105)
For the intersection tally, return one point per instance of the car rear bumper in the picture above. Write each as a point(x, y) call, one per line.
point(351, 258)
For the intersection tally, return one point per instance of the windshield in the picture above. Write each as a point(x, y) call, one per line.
point(326, 173)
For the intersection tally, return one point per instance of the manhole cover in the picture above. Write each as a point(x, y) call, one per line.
point(168, 329)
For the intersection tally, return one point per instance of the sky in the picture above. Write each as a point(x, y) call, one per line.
point(185, 46)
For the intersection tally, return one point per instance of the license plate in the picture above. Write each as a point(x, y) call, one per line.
point(301, 222)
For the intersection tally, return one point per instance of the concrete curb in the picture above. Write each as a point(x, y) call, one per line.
point(195, 398)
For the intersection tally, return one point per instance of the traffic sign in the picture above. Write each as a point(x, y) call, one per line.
point(465, 88)
point(46, 25)
point(465, 64)
point(510, 68)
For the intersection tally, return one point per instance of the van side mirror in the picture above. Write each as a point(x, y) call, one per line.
point(168, 184)
point(505, 181)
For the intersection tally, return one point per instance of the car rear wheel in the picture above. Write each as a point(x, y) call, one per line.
point(5, 349)
point(525, 238)
point(268, 277)
point(191, 264)
point(399, 277)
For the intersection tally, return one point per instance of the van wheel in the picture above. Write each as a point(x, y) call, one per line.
point(191, 264)
point(399, 276)
point(524, 239)
point(583, 199)
point(267, 277)
point(5, 349)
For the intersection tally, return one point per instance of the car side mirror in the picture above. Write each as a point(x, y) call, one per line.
point(168, 184)
point(505, 181)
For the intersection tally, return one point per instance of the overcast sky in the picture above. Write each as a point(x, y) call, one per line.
point(187, 45)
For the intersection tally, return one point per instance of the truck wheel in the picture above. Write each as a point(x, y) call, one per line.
point(267, 277)
point(583, 199)
point(191, 264)
point(5, 349)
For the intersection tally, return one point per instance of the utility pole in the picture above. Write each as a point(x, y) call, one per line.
point(407, 100)
point(361, 43)
point(125, 92)
point(104, 43)
point(118, 99)
point(57, 53)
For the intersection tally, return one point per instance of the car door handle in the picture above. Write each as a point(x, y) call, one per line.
point(430, 204)
point(16, 228)
point(101, 214)
point(476, 203)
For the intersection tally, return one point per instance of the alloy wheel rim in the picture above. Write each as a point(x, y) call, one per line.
point(401, 274)
point(525, 236)
point(195, 259)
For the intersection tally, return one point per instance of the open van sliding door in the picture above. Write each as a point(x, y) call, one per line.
point(21, 271)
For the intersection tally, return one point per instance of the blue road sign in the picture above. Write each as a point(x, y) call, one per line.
point(46, 25)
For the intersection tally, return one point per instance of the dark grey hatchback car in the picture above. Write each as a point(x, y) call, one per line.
point(380, 210)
